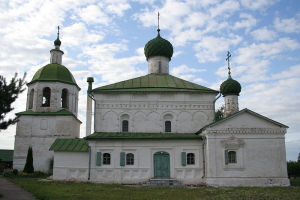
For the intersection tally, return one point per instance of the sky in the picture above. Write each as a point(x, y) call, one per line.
point(105, 39)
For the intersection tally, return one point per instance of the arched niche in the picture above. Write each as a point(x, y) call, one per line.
point(46, 97)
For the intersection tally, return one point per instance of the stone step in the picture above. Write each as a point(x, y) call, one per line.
point(163, 182)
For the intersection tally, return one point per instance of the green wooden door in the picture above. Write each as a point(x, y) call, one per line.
point(161, 165)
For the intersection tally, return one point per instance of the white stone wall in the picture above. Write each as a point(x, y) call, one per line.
point(55, 100)
point(40, 132)
point(231, 104)
point(141, 171)
point(158, 65)
point(70, 165)
point(147, 112)
point(260, 152)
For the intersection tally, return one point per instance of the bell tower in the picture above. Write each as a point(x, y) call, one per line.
point(51, 112)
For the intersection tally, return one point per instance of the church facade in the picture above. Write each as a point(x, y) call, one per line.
point(155, 126)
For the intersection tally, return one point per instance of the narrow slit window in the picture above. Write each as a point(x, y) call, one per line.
point(232, 157)
point(168, 126)
point(106, 159)
point(31, 95)
point(125, 126)
point(64, 98)
point(46, 97)
point(129, 159)
point(190, 159)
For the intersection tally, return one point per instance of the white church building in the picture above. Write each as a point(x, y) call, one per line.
point(151, 127)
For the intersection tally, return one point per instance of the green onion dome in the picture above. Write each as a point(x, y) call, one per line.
point(57, 42)
point(54, 72)
point(230, 87)
point(158, 47)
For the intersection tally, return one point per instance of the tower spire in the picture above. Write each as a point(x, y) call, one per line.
point(227, 59)
point(58, 32)
point(158, 30)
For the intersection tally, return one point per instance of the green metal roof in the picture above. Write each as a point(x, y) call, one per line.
point(230, 87)
point(69, 145)
point(143, 136)
point(237, 113)
point(54, 72)
point(154, 83)
point(6, 155)
point(158, 47)
point(62, 112)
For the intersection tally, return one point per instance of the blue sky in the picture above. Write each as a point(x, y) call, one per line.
point(105, 39)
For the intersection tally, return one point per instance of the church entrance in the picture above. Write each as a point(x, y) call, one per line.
point(161, 165)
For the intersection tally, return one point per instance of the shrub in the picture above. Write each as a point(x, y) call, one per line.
point(28, 168)
point(293, 168)
point(15, 171)
point(8, 173)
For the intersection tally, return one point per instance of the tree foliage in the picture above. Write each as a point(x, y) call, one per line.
point(220, 113)
point(28, 168)
point(293, 168)
point(8, 94)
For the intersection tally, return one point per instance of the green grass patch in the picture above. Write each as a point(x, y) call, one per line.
point(295, 182)
point(60, 190)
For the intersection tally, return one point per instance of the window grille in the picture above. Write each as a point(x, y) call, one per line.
point(232, 157)
point(190, 159)
point(167, 126)
point(129, 159)
point(106, 159)
point(125, 126)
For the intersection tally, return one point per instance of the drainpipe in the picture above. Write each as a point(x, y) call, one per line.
point(215, 105)
point(89, 106)
point(89, 172)
point(203, 154)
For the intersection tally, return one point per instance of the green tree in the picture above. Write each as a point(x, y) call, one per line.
point(28, 168)
point(293, 168)
point(220, 113)
point(8, 94)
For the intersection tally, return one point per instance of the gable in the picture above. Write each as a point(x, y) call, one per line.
point(246, 120)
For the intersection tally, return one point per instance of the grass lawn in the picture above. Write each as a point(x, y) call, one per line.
point(59, 190)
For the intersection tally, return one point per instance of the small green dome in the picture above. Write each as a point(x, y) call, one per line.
point(57, 42)
point(230, 87)
point(158, 47)
point(54, 72)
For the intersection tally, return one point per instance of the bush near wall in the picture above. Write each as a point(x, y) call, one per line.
point(293, 168)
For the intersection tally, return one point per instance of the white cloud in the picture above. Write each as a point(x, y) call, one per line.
point(248, 23)
point(291, 25)
point(93, 14)
point(210, 46)
point(226, 7)
point(257, 4)
point(183, 69)
point(264, 34)
point(78, 35)
point(118, 9)
point(177, 53)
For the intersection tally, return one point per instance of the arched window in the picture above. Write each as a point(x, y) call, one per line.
point(64, 98)
point(167, 123)
point(167, 126)
point(231, 157)
point(106, 159)
point(46, 97)
point(125, 126)
point(31, 95)
point(190, 159)
point(129, 159)
point(124, 120)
